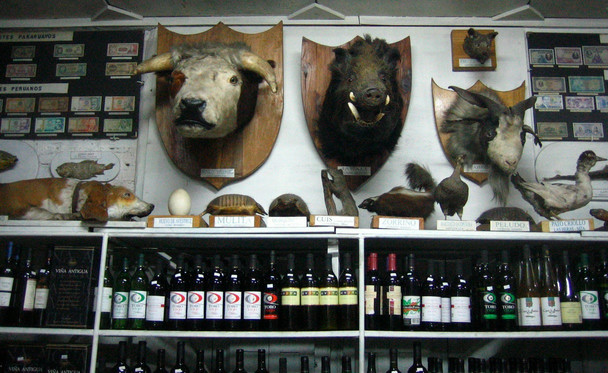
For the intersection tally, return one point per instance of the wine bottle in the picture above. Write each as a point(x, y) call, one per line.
point(460, 301)
point(551, 313)
point(282, 365)
point(505, 289)
point(180, 364)
point(233, 301)
point(42, 293)
point(588, 293)
point(120, 297)
point(138, 296)
point(304, 366)
point(195, 313)
point(431, 301)
point(445, 291)
point(417, 366)
point(309, 296)
point(121, 364)
point(240, 363)
point(473, 365)
point(325, 364)
point(371, 362)
point(160, 361)
point(157, 298)
point(391, 296)
point(261, 361)
point(346, 364)
point(434, 365)
point(219, 361)
point(528, 295)
point(328, 297)
point(372, 296)
point(572, 318)
point(7, 280)
point(272, 296)
point(178, 297)
point(141, 366)
point(411, 301)
point(200, 362)
point(252, 296)
point(348, 298)
point(214, 306)
point(290, 297)
point(393, 361)
point(25, 293)
point(603, 288)
point(484, 298)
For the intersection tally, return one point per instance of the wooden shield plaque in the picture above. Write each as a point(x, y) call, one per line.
point(238, 155)
point(315, 78)
point(444, 98)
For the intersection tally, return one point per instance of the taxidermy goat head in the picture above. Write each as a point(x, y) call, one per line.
point(478, 45)
point(486, 131)
point(362, 107)
point(213, 86)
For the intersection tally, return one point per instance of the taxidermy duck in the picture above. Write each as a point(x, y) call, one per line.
point(403, 202)
point(452, 193)
point(550, 200)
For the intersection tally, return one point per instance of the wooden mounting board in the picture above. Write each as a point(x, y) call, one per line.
point(444, 98)
point(459, 55)
point(242, 152)
point(315, 78)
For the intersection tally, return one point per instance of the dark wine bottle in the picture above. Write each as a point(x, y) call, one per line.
point(348, 298)
point(160, 361)
point(195, 313)
point(141, 366)
point(411, 301)
point(290, 297)
point(551, 313)
point(121, 364)
point(7, 281)
point(328, 297)
point(219, 361)
point(445, 291)
point(178, 297)
point(588, 293)
point(505, 290)
point(120, 297)
point(138, 296)
point(309, 296)
point(214, 309)
point(233, 301)
point(372, 296)
point(200, 362)
point(180, 364)
point(346, 364)
point(417, 366)
point(252, 296)
point(528, 295)
point(484, 297)
point(272, 296)
point(25, 293)
point(391, 296)
point(240, 362)
point(282, 365)
point(603, 288)
point(42, 294)
point(325, 364)
point(371, 362)
point(393, 361)
point(431, 301)
point(157, 298)
point(261, 361)
point(304, 366)
point(460, 300)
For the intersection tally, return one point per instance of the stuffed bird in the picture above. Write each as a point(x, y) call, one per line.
point(452, 193)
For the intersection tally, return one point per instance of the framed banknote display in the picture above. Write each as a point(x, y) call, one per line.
point(69, 84)
point(568, 74)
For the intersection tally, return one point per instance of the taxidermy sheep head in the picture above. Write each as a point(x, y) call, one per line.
point(362, 107)
point(478, 45)
point(485, 130)
point(213, 86)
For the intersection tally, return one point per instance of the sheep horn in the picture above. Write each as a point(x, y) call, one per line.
point(258, 65)
point(495, 108)
point(162, 62)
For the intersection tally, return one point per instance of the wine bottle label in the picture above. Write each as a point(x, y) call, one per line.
point(551, 311)
point(348, 296)
point(252, 306)
point(431, 309)
point(178, 302)
point(529, 311)
point(233, 305)
point(290, 296)
point(106, 301)
point(446, 309)
point(460, 309)
point(508, 306)
point(137, 304)
point(605, 303)
point(411, 309)
point(309, 296)
point(42, 297)
point(155, 308)
point(196, 305)
point(490, 310)
point(328, 296)
point(394, 298)
point(215, 305)
point(271, 306)
point(370, 299)
point(590, 304)
point(120, 305)
point(30, 294)
point(6, 284)
point(571, 313)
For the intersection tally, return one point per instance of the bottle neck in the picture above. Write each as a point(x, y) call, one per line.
point(372, 262)
point(141, 354)
point(160, 360)
point(261, 360)
point(122, 352)
point(417, 354)
point(371, 363)
point(393, 360)
point(391, 264)
point(179, 360)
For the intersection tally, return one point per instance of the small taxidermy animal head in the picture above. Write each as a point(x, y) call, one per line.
point(478, 45)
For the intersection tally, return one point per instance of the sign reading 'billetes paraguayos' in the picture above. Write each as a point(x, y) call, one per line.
point(69, 84)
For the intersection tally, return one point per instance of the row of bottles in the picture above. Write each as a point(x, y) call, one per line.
point(232, 299)
point(540, 295)
point(24, 291)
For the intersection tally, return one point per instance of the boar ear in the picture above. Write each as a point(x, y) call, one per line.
point(341, 54)
point(471, 32)
point(492, 35)
point(392, 57)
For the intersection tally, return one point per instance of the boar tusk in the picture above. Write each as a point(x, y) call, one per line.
point(352, 97)
point(388, 99)
point(354, 110)
point(379, 117)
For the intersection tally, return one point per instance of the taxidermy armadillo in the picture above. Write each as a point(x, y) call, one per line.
point(7, 160)
point(504, 214)
point(234, 204)
point(478, 45)
point(83, 170)
point(288, 205)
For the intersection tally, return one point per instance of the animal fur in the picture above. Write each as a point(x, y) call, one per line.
point(478, 45)
point(334, 184)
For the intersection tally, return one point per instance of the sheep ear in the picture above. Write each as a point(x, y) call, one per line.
point(519, 108)
point(495, 108)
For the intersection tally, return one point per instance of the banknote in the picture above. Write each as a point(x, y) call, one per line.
point(601, 102)
point(53, 104)
point(15, 125)
point(548, 84)
point(123, 49)
point(595, 55)
point(20, 104)
point(119, 103)
point(552, 130)
point(83, 124)
point(50, 125)
point(86, 103)
point(568, 56)
point(120, 68)
point(71, 69)
point(118, 125)
point(580, 103)
point(588, 130)
point(68, 50)
point(549, 102)
point(21, 70)
point(586, 84)
point(542, 57)
point(23, 52)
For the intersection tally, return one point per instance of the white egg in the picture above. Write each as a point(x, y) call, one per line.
point(179, 202)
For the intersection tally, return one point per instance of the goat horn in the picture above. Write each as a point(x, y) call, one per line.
point(162, 62)
point(258, 65)
point(520, 107)
point(495, 108)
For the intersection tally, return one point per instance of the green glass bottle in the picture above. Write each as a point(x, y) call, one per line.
point(138, 295)
point(120, 297)
point(105, 321)
point(589, 295)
